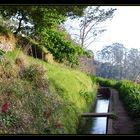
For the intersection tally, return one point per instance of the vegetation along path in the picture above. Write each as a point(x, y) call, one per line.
point(123, 124)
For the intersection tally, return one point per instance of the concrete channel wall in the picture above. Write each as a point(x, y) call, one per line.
point(107, 92)
point(109, 126)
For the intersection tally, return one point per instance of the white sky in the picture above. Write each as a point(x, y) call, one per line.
point(123, 28)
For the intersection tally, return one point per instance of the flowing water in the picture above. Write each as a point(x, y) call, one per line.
point(97, 125)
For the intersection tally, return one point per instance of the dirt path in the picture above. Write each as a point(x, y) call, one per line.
point(123, 124)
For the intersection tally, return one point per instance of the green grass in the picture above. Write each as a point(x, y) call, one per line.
point(11, 56)
point(76, 90)
point(66, 95)
point(4, 31)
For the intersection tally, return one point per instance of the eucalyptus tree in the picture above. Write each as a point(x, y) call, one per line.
point(89, 25)
point(133, 60)
point(114, 55)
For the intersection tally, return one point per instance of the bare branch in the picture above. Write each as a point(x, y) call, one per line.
point(89, 44)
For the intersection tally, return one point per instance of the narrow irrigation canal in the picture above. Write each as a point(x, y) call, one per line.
point(98, 125)
point(102, 120)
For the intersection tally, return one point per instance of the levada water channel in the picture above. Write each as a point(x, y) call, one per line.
point(98, 125)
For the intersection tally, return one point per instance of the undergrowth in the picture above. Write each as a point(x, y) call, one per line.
point(42, 98)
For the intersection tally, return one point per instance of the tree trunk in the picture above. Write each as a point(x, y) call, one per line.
point(19, 26)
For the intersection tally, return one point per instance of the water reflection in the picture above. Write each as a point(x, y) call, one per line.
point(97, 125)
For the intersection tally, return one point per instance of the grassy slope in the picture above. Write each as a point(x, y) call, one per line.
point(70, 93)
point(76, 89)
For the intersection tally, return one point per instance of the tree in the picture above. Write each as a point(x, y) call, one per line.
point(45, 21)
point(113, 55)
point(118, 62)
point(38, 15)
point(20, 15)
point(133, 59)
point(89, 23)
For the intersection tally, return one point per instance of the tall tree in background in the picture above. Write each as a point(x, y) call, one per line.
point(115, 61)
point(133, 60)
point(90, 24)
point(114, 56)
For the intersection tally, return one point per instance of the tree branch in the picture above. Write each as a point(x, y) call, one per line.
point(19, 25)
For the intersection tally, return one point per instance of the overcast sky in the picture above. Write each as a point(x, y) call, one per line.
point(123, 28)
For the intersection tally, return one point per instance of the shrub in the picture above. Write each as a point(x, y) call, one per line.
point(129, 93)
point(7, 69)
point(4, 31)
point(37, 108)
point(36, 73)
point(26, 108)
point(105, 81)
point(61, 49)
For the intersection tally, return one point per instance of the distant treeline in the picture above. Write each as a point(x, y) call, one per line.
point(115, 61)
